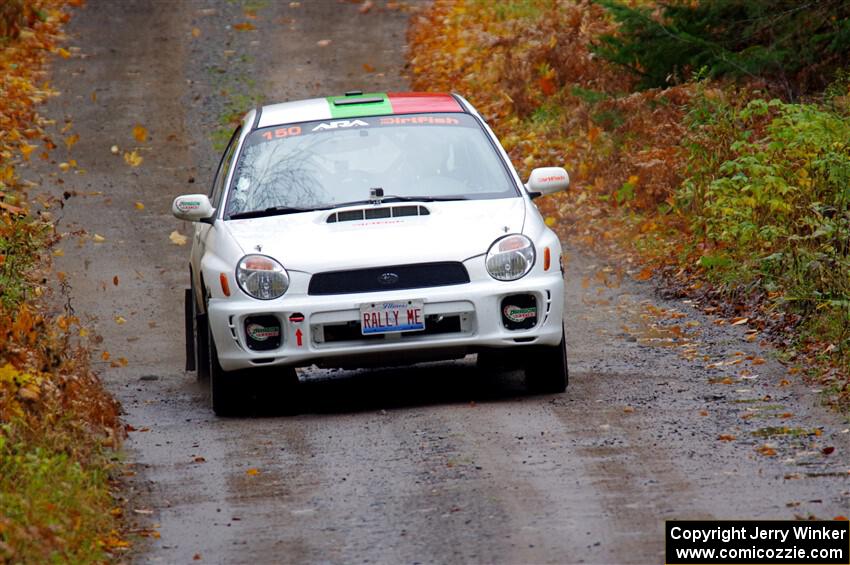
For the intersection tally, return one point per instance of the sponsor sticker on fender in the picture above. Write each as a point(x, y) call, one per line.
point(262, 333)
point(517, 314)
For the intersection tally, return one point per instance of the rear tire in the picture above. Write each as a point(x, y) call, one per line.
point(548, 371)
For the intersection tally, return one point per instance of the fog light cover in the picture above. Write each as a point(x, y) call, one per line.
point(262, 333)
point(519, 311)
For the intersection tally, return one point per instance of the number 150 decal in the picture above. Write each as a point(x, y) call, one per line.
point(282, 132)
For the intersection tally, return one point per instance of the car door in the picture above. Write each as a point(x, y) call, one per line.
point(202, 229)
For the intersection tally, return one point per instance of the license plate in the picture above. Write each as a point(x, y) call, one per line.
point(389, 317)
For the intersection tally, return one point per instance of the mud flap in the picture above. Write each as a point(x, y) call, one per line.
point(189, 314)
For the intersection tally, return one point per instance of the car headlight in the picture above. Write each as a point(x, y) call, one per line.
point(262, 277)
point(510, 257)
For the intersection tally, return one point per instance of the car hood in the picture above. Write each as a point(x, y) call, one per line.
point(452, 231)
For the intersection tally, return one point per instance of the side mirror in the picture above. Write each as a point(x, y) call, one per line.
point(547, 180)
point(193, 207)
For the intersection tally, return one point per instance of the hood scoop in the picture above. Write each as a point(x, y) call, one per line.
point(373, 213)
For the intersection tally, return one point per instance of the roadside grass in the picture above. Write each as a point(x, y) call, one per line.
point(715, 188)
point(59, 429)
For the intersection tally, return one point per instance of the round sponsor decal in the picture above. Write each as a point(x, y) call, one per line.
point(517, 314)
point(262, 333)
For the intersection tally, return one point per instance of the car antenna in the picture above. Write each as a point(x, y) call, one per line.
point(376, 195)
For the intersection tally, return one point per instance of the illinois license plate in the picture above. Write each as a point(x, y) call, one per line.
point(389, 317)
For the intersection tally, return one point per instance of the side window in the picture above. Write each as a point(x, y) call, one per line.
point(224, 169)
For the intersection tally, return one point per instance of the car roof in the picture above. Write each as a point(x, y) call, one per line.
point(356, 104)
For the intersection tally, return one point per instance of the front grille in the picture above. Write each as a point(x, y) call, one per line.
point(396, 277)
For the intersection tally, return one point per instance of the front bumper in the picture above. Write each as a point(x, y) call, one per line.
point(460, 319)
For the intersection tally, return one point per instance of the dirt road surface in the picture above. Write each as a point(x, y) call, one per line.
point(425, 464)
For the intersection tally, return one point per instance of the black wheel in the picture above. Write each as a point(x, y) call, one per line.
point(547, 371)
point(226, 387)
point(202, 346)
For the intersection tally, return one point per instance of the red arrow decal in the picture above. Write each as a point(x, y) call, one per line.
point(298, 335)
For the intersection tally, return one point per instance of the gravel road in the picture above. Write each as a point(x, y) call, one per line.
point(425, 464)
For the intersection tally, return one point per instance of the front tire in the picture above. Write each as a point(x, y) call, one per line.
point(202, 343)
point(225, 392)
point(548, 372)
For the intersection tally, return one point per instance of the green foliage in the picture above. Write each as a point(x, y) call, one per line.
point(798, 46)
point(21, 241)
point(47, 494)
point(769, 189)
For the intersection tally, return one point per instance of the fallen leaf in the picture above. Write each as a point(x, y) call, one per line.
point(366, 6)
point(105, 356)
point(140, 133)
point(726, 437)
point(133, 158)
point(323, 42)
point(784, 383)
point(196, 32)
point(139, 206)
point(368, 68)
point(546, 85)
point(628, 409)
point(143, 511)
point(199, 460)
point(738, 321)
point(64, 53)
point(29, 392)
point(767, 451)
point(71, 140)
point(196, 557)
point(115, 280)
point(120, 320)
point(177, 238)
point(244, 26)
point(114, 150)
point(58, 253)
point(252, 472)
point(26, 149)
point(550, 221)
point(97, 238)
point(827, 450)
point(644, 275)
point(703, 412)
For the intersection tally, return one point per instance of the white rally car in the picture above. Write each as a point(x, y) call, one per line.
point(364, 229)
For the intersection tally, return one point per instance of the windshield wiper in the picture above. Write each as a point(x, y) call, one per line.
point(273, 211)
point(395, 198)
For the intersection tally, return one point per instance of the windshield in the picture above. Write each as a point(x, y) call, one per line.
point(323, 164)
